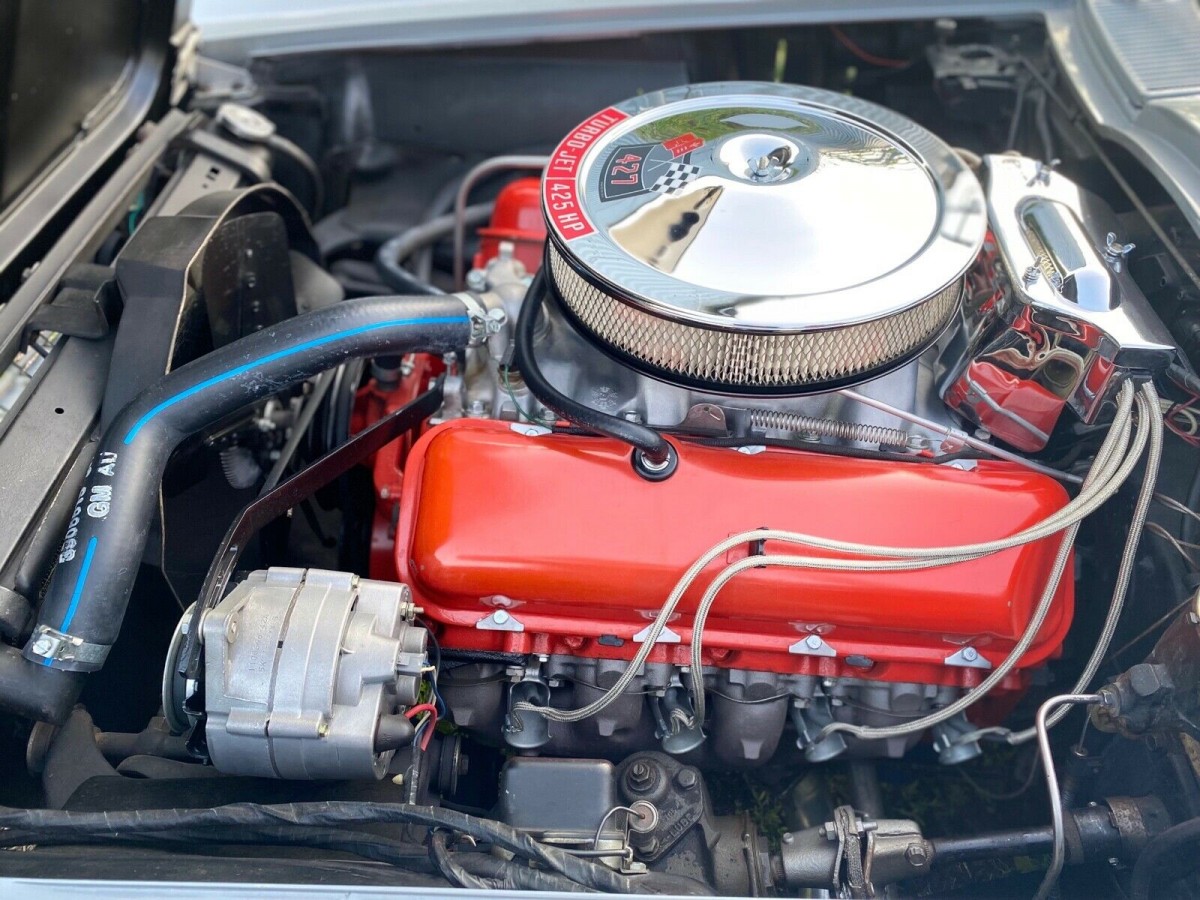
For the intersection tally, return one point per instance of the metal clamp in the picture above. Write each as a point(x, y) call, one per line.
point(56, 648)
point(853, 855)
point(484, 322)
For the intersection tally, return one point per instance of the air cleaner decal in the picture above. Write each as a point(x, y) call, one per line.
point(664, 168)
point(560, 184)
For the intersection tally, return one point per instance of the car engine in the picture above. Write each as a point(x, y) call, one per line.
point(754, 434)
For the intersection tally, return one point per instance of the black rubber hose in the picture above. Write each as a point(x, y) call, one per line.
point(389, 260)
point(99, 559)
point(1168, 857)
point(35, 691)
point(398, 278)
point(656, 449)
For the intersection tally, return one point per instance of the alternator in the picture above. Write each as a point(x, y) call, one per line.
point(307, 673)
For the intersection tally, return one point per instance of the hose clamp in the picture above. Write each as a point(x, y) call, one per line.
point(60, 650)
point(484, 322)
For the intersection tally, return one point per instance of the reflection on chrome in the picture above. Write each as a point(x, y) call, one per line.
point(1070, 327)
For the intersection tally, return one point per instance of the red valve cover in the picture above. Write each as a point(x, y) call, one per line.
point(580, 552)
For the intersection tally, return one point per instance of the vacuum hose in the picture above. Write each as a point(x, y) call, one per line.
point(81, 615)
point(651, 449)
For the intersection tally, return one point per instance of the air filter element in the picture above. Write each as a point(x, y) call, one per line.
point(759, 238)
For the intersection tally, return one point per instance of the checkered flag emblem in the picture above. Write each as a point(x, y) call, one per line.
point(676, 176)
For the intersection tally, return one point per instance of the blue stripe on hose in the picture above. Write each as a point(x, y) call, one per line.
point(307, 345)
point(79, 582)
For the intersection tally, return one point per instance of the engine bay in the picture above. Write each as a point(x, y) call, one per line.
point(782, 482)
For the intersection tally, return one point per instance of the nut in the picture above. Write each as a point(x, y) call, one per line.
point(640, 776)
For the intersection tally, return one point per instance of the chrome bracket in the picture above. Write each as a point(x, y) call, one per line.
point(968, 658)
point(500, 620)
point(813, 645)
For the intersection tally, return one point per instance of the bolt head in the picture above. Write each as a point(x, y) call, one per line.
point(813, 642)
point(500, 617)
point(43, 646)
point(789, 838)
point(916, 855)
point(970, 654)
point(687, 778)
point(1144, 680)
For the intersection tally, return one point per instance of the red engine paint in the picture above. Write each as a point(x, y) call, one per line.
point(387, 466)
point(518, 218)
point(564, 535)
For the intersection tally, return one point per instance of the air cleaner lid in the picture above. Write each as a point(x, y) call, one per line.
point(758, 209)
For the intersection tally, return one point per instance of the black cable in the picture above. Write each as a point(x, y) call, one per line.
point(29, 825)
point(655, 449)
point(371, 847)
point(492, 874)
point(1168, 857)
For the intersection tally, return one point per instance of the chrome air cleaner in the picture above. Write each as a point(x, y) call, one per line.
point(759, 238)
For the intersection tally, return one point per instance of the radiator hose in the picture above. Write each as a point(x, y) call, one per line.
point(81, 615)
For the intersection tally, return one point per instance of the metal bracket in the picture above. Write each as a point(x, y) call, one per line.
point(813, 645)
point(666, 636)
point(968, 658)
point(272, 505)
point(705, 418)
point(527, 429)
point(500, 620)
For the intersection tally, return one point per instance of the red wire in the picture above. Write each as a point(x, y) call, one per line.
point(1193, 440)
point(866, 56)
point(433, 720)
